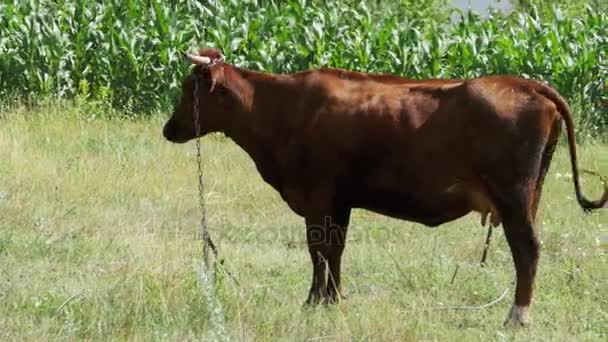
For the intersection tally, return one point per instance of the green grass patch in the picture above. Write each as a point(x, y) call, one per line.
point(98, 240)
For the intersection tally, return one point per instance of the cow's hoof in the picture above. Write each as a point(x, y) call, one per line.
point(334, 298)
point(307, 305)
point(519, 316)
point(314, 299)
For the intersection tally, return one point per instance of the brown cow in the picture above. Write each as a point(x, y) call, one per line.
point(428, 151)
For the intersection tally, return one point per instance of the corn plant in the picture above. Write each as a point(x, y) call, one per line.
point(128, 52)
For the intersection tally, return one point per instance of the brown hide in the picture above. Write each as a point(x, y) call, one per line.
point(428, 151)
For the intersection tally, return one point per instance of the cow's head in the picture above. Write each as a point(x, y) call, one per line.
point(222, 93)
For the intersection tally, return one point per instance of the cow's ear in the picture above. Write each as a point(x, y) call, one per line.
point(218, 77)
point(223, 76)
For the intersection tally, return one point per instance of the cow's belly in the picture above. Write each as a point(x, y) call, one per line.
point(427, 210)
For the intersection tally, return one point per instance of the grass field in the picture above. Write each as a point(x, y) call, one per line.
point(98, 225)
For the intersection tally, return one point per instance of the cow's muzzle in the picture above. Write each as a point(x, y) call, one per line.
point(171, 133)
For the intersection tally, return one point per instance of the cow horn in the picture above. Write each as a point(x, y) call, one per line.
point(203, 60)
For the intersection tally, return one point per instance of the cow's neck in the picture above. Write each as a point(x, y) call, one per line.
point(264, 129)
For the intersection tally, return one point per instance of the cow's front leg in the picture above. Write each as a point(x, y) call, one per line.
point(337, 228)
point(315, 237)
point(326, 235)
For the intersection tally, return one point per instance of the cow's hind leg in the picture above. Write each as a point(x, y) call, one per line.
point(525, 249)
point(544, 165)
point(519, 209)
point(515, 207)
point(514, 194)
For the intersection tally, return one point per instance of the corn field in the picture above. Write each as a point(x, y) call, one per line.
point(127, 54)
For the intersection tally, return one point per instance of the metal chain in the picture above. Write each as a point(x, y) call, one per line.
point(208, 275)
point(208, 245)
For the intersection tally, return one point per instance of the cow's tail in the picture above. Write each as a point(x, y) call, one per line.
point(564, 110)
